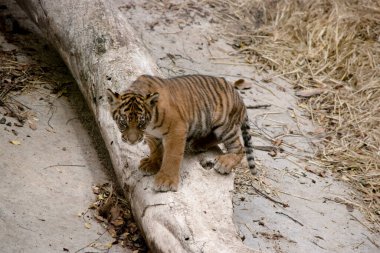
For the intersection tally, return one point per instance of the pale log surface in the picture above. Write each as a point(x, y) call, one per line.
point(102, 51)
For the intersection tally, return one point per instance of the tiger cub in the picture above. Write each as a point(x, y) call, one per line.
point(201, 110)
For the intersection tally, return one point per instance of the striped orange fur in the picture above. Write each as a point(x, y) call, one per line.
point(196, 109)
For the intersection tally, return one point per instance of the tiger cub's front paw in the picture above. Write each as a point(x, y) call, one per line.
point(164, 183)
point(149, 167)
point(225, 163)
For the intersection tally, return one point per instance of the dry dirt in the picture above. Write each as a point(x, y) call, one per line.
point(50, 162)
point(47, 177)
point(320, 214)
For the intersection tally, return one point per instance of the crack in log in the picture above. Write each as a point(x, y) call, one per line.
point(44, 11)
point(148, 206)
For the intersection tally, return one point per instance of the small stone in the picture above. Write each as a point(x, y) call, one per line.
point(3, 120)
point(18, 124)
point(64, 149)
point(9, 124)
point(14, 132)
point(32, 125)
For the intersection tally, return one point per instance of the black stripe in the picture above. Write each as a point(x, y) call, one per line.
point(209, 91)
point(216, 127)
point(219, 102)
point(114, 113)
point(190, 107)
point(159, 81)
point(248, 151)
point(226, 135)
point(162, 121)
point(198, 104)
point(156, 115)
point(231, 140)
point(167, 131)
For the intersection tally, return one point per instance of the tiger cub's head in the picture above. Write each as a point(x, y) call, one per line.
point(132, 113)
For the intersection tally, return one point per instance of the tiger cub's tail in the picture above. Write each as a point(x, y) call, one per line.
point(248, 145)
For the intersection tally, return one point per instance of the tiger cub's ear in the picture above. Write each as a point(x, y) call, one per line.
point(112, 97)
point(152, 98)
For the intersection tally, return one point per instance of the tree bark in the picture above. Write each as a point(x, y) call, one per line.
point(102, 51)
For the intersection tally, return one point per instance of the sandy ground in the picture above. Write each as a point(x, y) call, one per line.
point(46, 179)
point(47, 174)
point(187, 38)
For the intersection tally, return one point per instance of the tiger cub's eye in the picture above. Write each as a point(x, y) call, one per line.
point(141, 125)
point(122, 123)
point(141, 122)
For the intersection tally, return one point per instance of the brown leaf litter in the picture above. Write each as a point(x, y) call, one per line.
point(115, 213)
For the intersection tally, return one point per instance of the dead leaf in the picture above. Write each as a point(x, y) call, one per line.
point(95, 189)
point(118, 222)
point(135, 237)
point(303, 106)
point(115, 212)
point(124, 236)
point(241, 84)
point(32, 125)
point(93, 206)
point(108, 245)
point(277, 142)
point(15, 142)
point(112, 232)
point(87, 225)
point(99, 218)
point(310, 92)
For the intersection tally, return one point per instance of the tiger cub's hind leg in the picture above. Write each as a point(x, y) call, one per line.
point(235, 152)
point(151, 165)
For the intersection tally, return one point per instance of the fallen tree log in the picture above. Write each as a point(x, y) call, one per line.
point(102, 51)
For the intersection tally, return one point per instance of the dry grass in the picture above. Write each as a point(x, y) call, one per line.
point(333, 45)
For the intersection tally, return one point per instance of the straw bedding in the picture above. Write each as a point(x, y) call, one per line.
point(330, 50)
